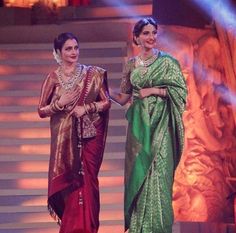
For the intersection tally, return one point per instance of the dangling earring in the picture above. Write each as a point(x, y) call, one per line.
point(57, 56)
point(138, 42)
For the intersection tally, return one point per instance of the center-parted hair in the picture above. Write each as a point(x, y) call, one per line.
point(61, 39)
point(138, 27)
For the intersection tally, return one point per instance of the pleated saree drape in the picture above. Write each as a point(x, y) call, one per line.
point(154, 144)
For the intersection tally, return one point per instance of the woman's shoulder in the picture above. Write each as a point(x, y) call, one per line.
point(129, 64)
point(94, 69)
point(97, 71)
point(131, 61)
point(52, 76)
point(167, 57)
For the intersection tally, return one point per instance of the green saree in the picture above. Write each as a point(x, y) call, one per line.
point(154, 144)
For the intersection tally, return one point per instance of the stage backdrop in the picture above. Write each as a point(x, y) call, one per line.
point(205, 181)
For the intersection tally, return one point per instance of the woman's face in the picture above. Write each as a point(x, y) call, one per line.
point(148, 37)
point(70, 52)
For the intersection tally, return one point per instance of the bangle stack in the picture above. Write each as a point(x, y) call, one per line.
point(56, 107)
point(162, 92)
point(91, 108)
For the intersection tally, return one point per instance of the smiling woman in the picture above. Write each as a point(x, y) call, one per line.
point(154, 83)
point(75, 97)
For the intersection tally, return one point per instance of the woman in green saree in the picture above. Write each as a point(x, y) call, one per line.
point(154, 83)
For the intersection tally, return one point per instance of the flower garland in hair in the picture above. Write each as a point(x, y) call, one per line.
point(57, 57)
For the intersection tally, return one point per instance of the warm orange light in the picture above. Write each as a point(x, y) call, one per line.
point(22, 101)
point(112, 214)
point(35, 217)
point(38, 183)
point(35, 201)
point(108, 182)
point(112, 228)
point(35, 149)
point(37, 166)
point(26, 133)
point(115, 198)
point(29, 3)
point(21, 116)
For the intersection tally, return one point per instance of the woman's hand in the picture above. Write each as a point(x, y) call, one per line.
point(118, 97)
point(67, 97)
point(79, 111)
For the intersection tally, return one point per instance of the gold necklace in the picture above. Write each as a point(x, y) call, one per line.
point(74, 76)
point(142, 65)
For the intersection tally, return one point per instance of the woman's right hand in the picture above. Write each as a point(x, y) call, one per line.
point(118, 97)
point(67, 97)
point(79, 111)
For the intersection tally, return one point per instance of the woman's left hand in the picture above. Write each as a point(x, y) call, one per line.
point(79, 111)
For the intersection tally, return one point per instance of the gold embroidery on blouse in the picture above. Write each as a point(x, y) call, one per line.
point(126, 86)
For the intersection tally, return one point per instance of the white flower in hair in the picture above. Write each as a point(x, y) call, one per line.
point(57, 57)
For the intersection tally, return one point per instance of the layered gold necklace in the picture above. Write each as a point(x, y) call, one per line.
point(74, 76)
point(142, 65)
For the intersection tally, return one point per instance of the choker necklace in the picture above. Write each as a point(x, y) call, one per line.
point(142, 65)
point(74, 76)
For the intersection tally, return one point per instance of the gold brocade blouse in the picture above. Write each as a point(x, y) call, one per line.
point(96, 91)
point(126, 86)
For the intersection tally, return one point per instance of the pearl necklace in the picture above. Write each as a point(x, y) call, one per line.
point(143, 64)
point(74, 76)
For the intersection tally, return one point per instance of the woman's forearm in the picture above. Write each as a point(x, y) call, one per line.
point(118, 97)
point(145, 92)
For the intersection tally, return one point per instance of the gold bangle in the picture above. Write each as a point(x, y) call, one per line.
point(85, 108)
point(92, 107)
point(88, 108)
point(162, 92)
point(53, 108)
point(57, 106)
point(96, 106)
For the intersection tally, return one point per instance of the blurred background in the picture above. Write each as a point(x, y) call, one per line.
point(200, 34)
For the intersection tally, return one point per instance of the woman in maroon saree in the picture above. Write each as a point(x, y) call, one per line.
point(75, 97)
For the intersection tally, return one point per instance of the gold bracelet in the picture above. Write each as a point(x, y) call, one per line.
point(162, 92)
point(57, 106)
point(52, 107)
point(91, 108)
point(88, 108)
point(96, 106)
point(85, 108)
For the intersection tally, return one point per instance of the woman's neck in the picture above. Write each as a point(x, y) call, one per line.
point(68, 67)
point(145, 54)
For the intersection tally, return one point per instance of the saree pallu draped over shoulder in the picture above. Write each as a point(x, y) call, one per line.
point(73, 192)
point(154, 145)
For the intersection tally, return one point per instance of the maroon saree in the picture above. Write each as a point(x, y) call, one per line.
point(75, 160)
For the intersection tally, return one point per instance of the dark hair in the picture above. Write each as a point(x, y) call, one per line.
point(138, 27)
point(61, 39)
